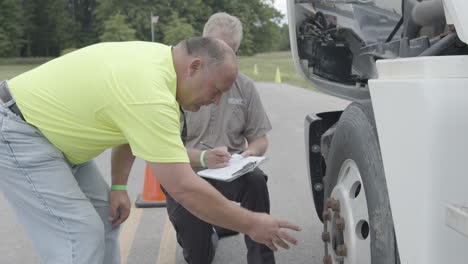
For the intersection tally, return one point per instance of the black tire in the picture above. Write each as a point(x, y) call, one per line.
point(356, 139)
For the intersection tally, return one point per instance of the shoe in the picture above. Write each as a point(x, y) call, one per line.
point(224, 232)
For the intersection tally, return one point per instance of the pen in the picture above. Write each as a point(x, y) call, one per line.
point(211, 147)
point(206, 145)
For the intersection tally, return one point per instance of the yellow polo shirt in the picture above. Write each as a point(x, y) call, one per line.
point(105, 95)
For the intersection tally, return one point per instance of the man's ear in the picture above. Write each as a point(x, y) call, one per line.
point(195, 65)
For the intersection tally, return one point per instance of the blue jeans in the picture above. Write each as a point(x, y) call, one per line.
point(62, 207)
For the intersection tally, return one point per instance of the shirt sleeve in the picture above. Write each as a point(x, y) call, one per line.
point(152, 130)
point(258, 123)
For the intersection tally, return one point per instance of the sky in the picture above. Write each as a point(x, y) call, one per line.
point(281, 6)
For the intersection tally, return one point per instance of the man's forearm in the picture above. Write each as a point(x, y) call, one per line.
point(205, 202)
point(121, 163)
point(258, 146)
point(194, 157)
point(208, 204)
point(200, 198)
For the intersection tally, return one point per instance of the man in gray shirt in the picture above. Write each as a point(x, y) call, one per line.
point(237, 124)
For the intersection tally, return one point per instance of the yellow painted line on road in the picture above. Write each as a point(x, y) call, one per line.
point(127, 234)
point(167, 246)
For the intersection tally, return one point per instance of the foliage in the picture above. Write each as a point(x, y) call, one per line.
point(66, 51)
point(49, 27)
point(177, 29)
point(259, 19)
point(115, 29)
point(46, 27)
point(283, 42)
point(11, 30)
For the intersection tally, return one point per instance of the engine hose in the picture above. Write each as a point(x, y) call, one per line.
point(441, 45)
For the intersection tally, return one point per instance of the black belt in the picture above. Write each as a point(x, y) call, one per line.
point(6, 97)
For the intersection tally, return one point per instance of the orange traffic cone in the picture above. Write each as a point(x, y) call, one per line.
point(152, 195)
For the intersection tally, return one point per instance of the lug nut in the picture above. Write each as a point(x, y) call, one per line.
point(325, 236)
point(340, 223)
point(341, 250)
point(327, 259)
point(326, 215)
point(335, 205)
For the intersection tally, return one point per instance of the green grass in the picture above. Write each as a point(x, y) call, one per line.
point(10, 71)
point(10, 67)
point(266, 67)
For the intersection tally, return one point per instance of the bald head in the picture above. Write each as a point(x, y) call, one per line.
point(212, 51)
point(205, 68)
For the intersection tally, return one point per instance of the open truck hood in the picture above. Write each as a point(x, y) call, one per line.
point(335, 43)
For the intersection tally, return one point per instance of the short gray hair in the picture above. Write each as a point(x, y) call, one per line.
point(226, 25)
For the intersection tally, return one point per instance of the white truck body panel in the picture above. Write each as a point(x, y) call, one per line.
point(424, 143)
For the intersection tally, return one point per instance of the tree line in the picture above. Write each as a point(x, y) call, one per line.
point(53, 27)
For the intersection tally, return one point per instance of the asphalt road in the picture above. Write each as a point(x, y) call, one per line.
point(147, 237)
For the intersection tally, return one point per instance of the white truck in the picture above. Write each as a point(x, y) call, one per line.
point(388, 173)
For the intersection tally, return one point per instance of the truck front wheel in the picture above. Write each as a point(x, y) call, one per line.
point(358, 224)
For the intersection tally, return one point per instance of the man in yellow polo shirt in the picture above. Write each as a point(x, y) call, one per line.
point(57, 117)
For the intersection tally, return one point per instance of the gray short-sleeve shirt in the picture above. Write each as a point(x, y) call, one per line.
point(238, 118)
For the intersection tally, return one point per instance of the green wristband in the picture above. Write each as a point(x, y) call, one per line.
point(119, 187)
point(202, 159)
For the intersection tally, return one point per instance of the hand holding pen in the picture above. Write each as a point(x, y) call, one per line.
point(214, 157)
point(211, 147)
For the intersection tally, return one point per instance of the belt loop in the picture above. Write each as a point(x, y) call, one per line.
point(8, 100)
point(4, 93)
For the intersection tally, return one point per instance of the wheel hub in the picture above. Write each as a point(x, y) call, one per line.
point(346, 220)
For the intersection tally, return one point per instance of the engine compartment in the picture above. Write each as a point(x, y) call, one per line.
point(339, 42)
